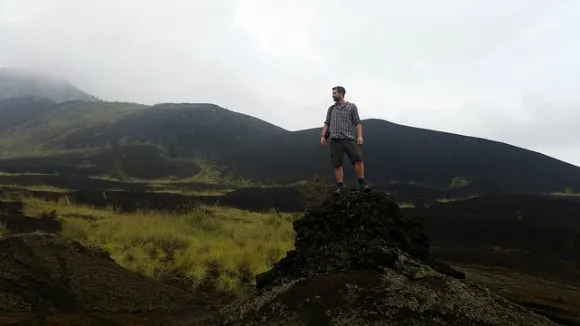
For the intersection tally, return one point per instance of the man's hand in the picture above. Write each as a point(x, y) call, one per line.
point(324, 130)
point(359, 141)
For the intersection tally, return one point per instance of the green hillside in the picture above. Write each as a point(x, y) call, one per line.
point(47, 131)
point(94, 135)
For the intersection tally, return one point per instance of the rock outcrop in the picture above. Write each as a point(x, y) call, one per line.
point(47, 273)
point(358, 261)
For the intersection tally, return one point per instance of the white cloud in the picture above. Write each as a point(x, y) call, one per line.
point(280, 29)
point(17, 11)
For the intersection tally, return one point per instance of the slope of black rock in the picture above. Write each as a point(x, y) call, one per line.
point(352, 232)
point(358, 261)
point(48, 273)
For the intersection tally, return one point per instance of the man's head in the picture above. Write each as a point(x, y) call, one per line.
point(338, 93)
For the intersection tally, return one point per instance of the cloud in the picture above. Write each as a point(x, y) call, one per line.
point(501, 70)
point(280, 29)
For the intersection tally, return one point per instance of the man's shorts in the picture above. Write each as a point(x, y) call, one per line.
point(340, 146)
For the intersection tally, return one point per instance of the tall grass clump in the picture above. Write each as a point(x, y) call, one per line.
point(207, 247)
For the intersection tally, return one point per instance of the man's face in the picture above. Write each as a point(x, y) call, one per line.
point(336, 96)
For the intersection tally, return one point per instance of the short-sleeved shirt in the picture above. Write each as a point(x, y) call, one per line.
point(341, 121)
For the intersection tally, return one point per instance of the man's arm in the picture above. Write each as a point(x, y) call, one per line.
point(324, 129)
point(359, 130)
point(326, 122)
point(356, 120)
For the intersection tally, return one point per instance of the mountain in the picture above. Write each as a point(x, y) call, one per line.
point(188, 129)
point(17, 111)
point(395, 152)
point(258, 150)
point(21, 82)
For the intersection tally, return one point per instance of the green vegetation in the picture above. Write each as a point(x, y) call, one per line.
point(39, 137)
point(186, 192)
point(116, 170)
point(208, 246)
point(8, 174)
point(447, 200)
point(409, 204)
point(566, 192)
point(459, 182)
point(209, 173)
point(44, 188)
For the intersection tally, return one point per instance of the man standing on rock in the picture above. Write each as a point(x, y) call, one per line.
point(341, 118)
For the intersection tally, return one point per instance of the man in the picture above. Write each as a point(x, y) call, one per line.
point(341, 119)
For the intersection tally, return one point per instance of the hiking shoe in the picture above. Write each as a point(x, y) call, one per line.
point(365, 188)
point(338, 191)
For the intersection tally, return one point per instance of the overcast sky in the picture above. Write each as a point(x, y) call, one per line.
point(503, 70)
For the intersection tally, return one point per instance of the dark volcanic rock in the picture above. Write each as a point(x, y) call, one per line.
point(358, 261)
point(47, 273)
point(353, 232)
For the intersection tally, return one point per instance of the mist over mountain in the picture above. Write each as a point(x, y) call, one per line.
point(25, 82)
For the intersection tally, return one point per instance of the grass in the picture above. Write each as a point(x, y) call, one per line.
point(567, 193)
point(176, 189)
point(409, 204)
point(208, 246)
point(225, 180)
point(207, 192)
point(448, 200)
point(55, 126)
point(9, 174)
point(210, 173)
point(46, 188)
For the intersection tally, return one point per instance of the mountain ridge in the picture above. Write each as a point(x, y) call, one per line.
point(17, 82)
point(261, 151)
point(391, 123)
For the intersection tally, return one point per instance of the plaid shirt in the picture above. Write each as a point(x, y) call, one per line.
point(342, 120)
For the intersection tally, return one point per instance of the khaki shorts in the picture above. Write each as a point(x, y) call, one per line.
point(340, 146)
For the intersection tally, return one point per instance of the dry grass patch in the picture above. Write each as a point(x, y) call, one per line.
point(207, 247)
point(45, 188)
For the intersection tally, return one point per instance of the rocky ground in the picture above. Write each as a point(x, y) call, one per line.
point(358, 261)
point(46, 273)
point(557, 299)
point(47, 280)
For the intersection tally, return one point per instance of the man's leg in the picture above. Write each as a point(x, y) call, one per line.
point(359, 169)
point(339, 175)
point(354, 152)
point(336, 154)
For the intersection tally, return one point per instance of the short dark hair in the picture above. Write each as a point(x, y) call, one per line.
point(339, 89)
